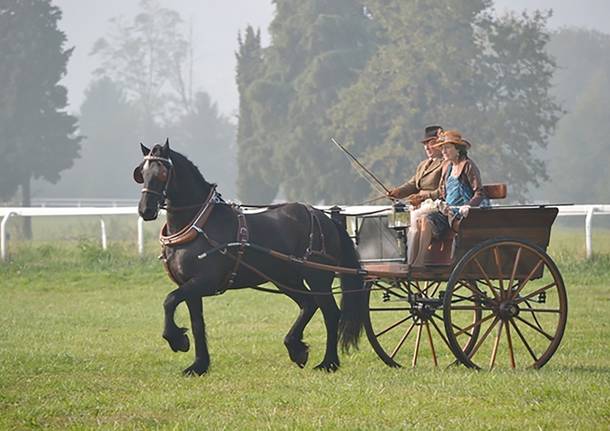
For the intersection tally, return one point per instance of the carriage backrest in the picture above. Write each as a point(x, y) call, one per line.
point(531, 224)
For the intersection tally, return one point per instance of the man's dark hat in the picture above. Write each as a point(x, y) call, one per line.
point(431, 133)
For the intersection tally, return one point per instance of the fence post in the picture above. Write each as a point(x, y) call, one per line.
point(140, 236)
point(104, 241)
point(588, 234)
point(3, 238)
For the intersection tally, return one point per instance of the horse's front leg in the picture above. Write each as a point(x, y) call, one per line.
point(202, 357)
point(175, 336)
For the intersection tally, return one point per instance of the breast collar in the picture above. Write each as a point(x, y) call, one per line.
point(192, 229)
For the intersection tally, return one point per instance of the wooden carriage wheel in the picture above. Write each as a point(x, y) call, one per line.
point(522, 304)
point(405, 323)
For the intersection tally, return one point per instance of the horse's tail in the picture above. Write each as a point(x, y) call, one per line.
point(353, 299)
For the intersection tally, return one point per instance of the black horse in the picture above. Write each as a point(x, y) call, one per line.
point(200, 224)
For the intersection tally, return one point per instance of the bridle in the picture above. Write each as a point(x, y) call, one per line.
point(214, 196)
point(169, 166)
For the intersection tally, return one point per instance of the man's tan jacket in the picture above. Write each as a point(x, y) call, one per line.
point(426, 180)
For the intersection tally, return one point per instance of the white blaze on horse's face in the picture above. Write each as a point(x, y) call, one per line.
point(155, 175)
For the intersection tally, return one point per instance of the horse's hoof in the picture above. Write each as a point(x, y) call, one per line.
point(196, 369)
point(299, 353)
point(178, 341)
point(329, 367)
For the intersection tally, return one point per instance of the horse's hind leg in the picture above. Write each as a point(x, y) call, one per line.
point(202, 357)
point(297, 349)
point(321, 282)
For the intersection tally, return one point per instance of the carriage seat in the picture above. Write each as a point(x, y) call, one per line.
point(495, 191)
point(440, 250)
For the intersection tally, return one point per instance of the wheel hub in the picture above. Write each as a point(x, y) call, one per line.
point(507, 310)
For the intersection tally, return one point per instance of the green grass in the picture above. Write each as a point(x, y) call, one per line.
point(80, 348)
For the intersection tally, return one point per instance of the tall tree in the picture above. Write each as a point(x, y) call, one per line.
point(39, 137)
point(318, 48)
point(453, 63)
point(254, 184)
point(150, 60)
point(148, 57)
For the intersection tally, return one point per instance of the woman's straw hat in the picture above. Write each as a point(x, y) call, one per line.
point(452, 137)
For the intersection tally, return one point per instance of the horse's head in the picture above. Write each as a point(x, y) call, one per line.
point(154, 173)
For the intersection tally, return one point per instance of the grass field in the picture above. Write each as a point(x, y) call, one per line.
point(80, 348)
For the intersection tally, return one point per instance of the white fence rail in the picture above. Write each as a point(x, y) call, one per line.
point(588, 211)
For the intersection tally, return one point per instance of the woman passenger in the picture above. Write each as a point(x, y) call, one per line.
point(460, 187)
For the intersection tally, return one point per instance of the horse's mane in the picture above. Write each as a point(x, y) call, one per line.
point(183, 161)
point(175, 156)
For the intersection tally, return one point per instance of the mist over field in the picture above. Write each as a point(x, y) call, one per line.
point(197, 105)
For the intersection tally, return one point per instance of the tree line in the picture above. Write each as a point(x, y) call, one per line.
point(371, 73)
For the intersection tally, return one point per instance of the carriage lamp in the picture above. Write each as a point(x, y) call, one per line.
point(399, 218)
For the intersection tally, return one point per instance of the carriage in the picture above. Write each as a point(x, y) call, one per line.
point(488, 296)
point(488, 289)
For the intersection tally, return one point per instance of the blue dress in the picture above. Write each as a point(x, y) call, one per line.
point(457, 193)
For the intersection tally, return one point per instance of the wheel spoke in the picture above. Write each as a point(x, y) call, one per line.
point(401, 286)
point(440, 333)
point(431, 344)
point(393, 325)
point(474, 350)
point(511, 353)
point(527, 346)
point(417, 342)
point(389, 308)
point(494, 351)
point(416, 286)
point(471, 308)
point(540, 310)
point(438, 284)
point(534, 293)
point(473, 289)
point(498, 261)
point(462, 298)
point(490, 284)
point(402, 340)
point(527, 279)
point(514, 271)
point(465, 330)
point(540, 330)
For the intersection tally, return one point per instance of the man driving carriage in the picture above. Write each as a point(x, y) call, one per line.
point(424, 184)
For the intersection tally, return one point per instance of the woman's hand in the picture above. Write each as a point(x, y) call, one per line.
point(464, 210)
point(416, 199)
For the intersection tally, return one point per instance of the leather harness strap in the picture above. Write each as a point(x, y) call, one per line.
point(243, 235)
point(191, 230)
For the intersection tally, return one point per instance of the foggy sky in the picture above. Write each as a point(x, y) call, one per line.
point(215, 26)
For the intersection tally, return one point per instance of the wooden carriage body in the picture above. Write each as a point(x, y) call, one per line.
point(488, 287)
point(526, 223)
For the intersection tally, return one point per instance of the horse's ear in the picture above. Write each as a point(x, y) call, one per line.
point(165, 150)
point(145, 150)
point(137, 174)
